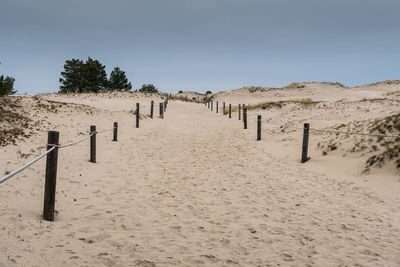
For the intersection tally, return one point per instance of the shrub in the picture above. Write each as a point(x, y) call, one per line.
point(148, 88)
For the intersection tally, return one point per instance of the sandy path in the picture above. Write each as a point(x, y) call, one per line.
point(196, 189)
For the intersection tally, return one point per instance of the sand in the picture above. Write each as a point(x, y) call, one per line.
point(196, 189)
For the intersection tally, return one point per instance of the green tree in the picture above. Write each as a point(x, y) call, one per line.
point(72, 81)
point(148, 88)
point(95, 76)
point(79, 76)
point(7, 85)
point(118, 80)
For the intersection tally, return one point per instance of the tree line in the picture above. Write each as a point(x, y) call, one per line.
point(81, 76)
point(90, 76)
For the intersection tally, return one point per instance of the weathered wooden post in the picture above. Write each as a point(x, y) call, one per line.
point(258, 127)
point(245, 118)
point(239, 111)
point(304, 151)
point(165, 107)
point(151, 108)
point(230, 111)
point(208, 102)
point(212, 105)
point(51, 177)
point(115, 135)
point(161, 111)
point(93, 144)
point(217, 106)
point(223, 108)
point(137, 115)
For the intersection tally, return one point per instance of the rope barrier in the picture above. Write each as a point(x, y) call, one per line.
point(11, 174)
point(332, 131)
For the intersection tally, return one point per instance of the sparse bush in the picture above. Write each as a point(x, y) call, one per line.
point(148, 88)
point(208, 93)
point(180, 92)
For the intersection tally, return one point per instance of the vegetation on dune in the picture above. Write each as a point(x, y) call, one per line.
point(380, 150)
point(392, 93)
point(7, 85)
point(13, 122)
point(187, 99)
point(276, 104)
point(148, 88)
point(294, 86)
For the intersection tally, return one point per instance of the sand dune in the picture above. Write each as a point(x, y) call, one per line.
point(196, 189)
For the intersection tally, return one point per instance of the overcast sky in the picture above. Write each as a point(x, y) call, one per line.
point(204, 44)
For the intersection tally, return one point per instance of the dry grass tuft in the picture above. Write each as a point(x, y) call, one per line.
point(294, 86)
point(273, 104)
point(187, 99)
point(392, 93)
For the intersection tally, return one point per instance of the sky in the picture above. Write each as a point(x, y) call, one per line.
point(202, 45)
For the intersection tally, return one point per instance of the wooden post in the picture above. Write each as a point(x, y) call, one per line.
point(161, 111)
point(258, 127)
point(304, 151)
point(151, 108)
point(165, 107)
point(137, 115)
point(230, 111)
point(208, 102)
point(223, 108)
point(212, 105)
point(93, 144)
point(239, 111)
point(245, 118)
point(51, 177)
point(115, 136)
point(217, 106)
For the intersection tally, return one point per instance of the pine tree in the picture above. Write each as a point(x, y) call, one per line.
point(118, 80)
point(72, 81)
point(79, 76)
point(7, 85)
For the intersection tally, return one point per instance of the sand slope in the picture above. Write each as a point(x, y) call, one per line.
point(190, 190)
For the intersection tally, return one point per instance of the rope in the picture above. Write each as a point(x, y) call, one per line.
point(73, 143)
point(8, 176)
point(332, 131)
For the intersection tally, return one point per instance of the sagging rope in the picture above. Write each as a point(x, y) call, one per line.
point(331, 131)
point(11, 174)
